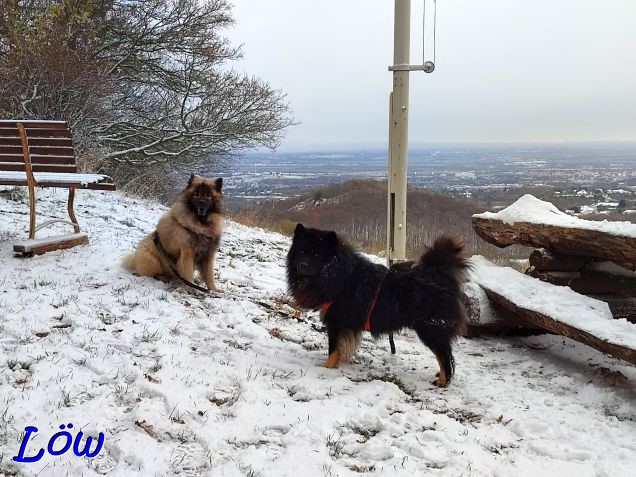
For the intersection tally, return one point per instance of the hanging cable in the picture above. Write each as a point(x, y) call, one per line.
point(429, 65)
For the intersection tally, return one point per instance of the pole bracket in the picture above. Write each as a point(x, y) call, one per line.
point(427, 67)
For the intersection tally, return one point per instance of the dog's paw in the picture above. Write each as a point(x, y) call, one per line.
point(333, 361)
point(439, 382)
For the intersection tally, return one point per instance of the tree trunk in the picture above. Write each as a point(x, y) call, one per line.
point(546, 261)
point(620, 249)
point(589, 282)
point(549, 323)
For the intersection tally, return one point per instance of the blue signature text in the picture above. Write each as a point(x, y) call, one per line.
point(60, 443)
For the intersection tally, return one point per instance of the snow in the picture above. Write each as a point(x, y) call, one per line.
point(192, 385)
point(53, 177)
point(560, 303)
point(535, 211)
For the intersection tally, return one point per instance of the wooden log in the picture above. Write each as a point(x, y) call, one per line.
point(561, 279)
point(546, 261)
point(590, 282)
point(549, 323)
point(557, 309)
point(484, 317)
point(620, 249)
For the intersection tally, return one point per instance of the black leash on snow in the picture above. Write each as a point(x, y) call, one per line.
point(166, 259)
point(391, 343)
point(164, 256)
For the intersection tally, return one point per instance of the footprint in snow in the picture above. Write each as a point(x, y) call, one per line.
point(189, 459)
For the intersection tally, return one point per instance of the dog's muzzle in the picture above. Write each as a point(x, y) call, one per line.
point(303, 269)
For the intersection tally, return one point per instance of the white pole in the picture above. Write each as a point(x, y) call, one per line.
point(399, 135)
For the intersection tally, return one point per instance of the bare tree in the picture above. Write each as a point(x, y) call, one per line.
point(147, 79)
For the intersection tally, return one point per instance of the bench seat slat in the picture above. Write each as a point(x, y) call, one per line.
point(75, 185)
point(12, 123)
point(38, 141)
point(62, 180)
point(35, 132)
point(10, 149)
point(17, 167)
point(50, 151)
point(37, 150)
point(13, 158)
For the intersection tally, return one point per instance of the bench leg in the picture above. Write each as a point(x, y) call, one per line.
point(31, 188)
point(71, 212)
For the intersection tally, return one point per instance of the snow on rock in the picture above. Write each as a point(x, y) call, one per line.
point(191, 385)
point(561, 303)
point(536, 211)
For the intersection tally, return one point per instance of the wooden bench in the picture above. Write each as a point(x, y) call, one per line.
point(41, 154)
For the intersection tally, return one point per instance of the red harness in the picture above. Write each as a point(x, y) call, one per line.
point(367, 320)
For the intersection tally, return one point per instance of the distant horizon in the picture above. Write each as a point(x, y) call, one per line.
point(415, 145)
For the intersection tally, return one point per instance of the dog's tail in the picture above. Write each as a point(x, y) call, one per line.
point(128, 261)
point(446, 254)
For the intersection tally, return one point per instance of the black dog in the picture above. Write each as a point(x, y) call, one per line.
point(356, 294)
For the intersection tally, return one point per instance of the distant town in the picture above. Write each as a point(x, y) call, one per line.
point(588, 178)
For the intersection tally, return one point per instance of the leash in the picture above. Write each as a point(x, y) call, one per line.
point(164, 256)
point(166, 259)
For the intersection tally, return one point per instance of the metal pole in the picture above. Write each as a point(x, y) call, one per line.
point(399, 135)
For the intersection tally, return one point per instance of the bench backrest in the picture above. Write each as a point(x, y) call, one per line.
point(50, 146)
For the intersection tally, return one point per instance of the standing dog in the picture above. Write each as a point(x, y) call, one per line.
point(187, 236)
point(355, 294)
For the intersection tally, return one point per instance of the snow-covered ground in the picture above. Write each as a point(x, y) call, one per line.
point(193, 385)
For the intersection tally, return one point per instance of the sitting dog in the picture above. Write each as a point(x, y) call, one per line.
point(187, 236)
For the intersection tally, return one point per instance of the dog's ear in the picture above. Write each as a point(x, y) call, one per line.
point(192, 176)
point(218, 184)
point(300, 228)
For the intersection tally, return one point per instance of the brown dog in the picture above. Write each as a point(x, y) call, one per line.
point(188, 235)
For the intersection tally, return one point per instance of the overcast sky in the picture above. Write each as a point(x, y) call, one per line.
point(506, 71)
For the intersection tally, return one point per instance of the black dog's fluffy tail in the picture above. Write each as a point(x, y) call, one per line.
point(447, 255)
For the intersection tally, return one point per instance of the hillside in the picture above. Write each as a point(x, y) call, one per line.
point(191, 385)
point(357, 209)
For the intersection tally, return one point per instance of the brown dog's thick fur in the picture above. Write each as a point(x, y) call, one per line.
point(189, 233)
